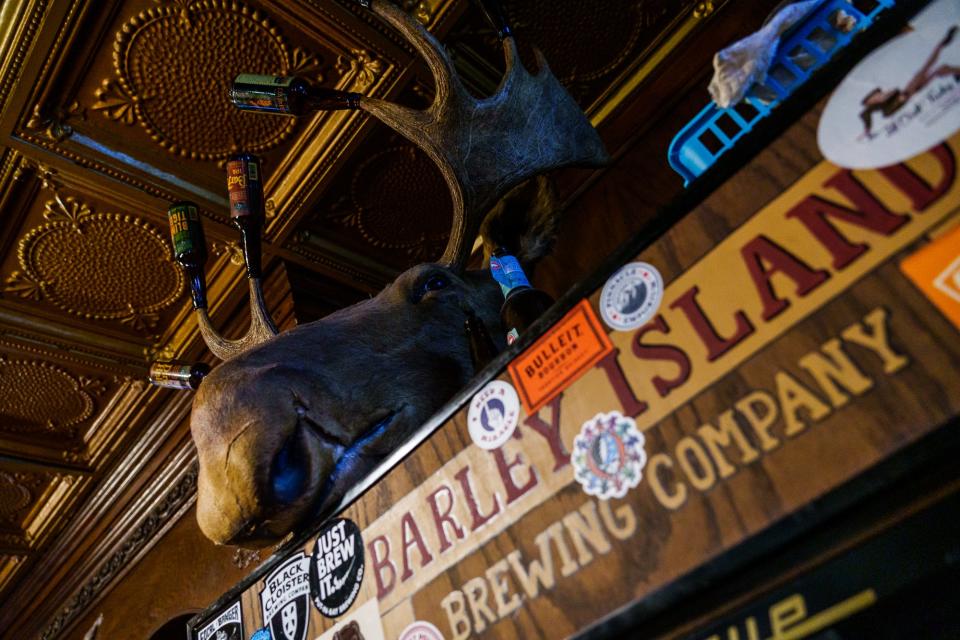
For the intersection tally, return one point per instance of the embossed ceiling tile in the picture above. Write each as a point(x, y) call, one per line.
point(20, 493)
point(588, 45)
point(388, 201)
point(101, 266)
point(39, 398)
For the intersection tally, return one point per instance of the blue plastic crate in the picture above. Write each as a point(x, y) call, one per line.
point(714, 130)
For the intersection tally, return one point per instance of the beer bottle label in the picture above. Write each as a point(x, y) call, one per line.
point(261, 93)
point(170, 375)
point(506, 270)
point(242, 178)
point(185, 230)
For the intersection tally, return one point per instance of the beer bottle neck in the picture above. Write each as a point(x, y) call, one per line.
point(198, 287)
point(249, 227)
point(508, 273)
point(323, 99)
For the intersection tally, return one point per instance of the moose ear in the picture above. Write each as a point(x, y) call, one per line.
point(525, 221)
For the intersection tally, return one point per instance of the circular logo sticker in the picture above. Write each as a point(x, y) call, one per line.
point(631, 296)
point(900, 101)
point(493, 415)
point(608, 455)
point(420, 630)
point(336, 567)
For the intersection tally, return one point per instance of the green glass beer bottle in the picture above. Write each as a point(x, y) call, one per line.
point(178, 375)
point(522, 303)
point(189, 247)
point(245, 185)
point(287, 95)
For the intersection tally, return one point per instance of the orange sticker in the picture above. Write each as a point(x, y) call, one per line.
point(552, 363)
point(935, 269)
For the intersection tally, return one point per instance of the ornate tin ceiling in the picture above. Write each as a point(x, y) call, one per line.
point(112, 109)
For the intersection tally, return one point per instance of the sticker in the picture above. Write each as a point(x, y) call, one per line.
point(336, 567)
point(898, 102)
point(935, 269)
point(261, 634)
point(363, 624)
point(285, 599)
point(420, 630)
point(608, 455)
point(228, 625)
point(552, 363)
point(631, 296)
point(493, 415)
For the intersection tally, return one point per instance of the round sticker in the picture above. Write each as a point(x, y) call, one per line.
point(900, 101)
point(608, 455)
point(336, 567)
point(493, 415)
point(631, 296)
point(420, 630)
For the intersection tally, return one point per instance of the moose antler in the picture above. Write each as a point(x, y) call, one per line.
point(261, 327)
point(485, 147)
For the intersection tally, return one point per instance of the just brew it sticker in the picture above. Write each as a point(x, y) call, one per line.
point(608, 455)
point(336, 567)
point(631, 296)
point(284, 599)
point(901, 100)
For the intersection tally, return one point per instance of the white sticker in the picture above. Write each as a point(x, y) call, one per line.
point(493, 415)
point(228, 625)
point(900, 101)
point(420, 630)
point(608, 455)
point(631, 296)
point(285, 599)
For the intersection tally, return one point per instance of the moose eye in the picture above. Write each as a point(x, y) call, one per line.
point(288, 476)
point(433, 282)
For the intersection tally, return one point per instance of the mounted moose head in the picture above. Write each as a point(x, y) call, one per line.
point(288, 422)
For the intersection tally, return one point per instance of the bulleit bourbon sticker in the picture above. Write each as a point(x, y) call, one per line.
point(935, 269)
point(551, 364)
point(608, 455)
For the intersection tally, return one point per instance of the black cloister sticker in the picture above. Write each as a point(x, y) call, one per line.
point(284, 599)
point(336, 567)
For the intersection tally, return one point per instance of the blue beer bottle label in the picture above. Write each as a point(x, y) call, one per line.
point(506, 270)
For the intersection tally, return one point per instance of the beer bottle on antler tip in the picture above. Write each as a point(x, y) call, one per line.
point(178, 375)
point(522, 304)
point(245, 184)
point(287, 95)
point(189, 247)
point(495, 15)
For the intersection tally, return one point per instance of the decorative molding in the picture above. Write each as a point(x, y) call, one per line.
point(54, 124)
point(362, 66)
point(179, 496)
point(230, 248)
point(25, 40)
point(100, 266)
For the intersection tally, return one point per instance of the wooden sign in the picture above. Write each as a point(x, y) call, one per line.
point(787, 353)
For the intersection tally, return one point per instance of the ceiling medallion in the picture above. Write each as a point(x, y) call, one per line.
point(39, 397)
point(174, 64)
point(101, 266)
